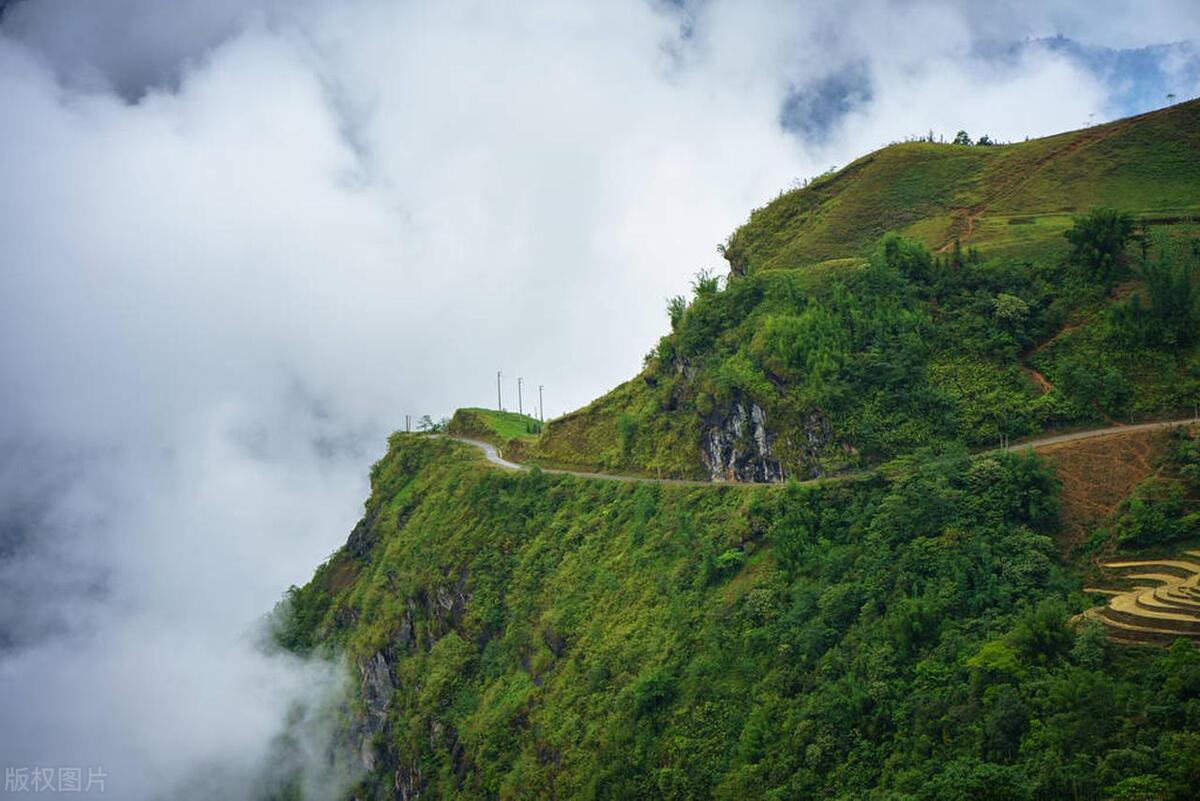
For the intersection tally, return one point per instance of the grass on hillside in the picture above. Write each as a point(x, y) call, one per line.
point(1011, 199)
point(626, 431)
point(494, 426)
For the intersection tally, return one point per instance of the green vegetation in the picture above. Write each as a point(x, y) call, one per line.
point(903, 639)
point(909, 349)
point(1167, 315)
point(631, 430)
point(493, 426)
point(1098, 243)
point(913, 634)
point(1161, 511)
point(1032, 316)
point(1012, 200)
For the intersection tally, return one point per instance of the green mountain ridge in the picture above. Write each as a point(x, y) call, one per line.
point(920, 633)
point(800, 274)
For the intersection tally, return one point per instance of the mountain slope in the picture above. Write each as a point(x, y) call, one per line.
point(919, 633)
point(1006, 198)
point(802, 367)
point(536, 636)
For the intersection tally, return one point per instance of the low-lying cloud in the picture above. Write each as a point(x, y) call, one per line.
point(241, 240)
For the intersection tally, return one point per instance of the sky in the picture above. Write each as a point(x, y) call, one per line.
point(241, 240)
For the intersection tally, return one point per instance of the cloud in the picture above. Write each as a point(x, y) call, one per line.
point(242, 240)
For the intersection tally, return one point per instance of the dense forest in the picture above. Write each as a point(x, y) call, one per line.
point(904, 636)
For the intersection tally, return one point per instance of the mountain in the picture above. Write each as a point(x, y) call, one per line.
point(728, 394)
point(856, 593)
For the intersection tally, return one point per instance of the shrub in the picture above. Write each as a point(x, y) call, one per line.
point(654, 691)
point(1098, 242)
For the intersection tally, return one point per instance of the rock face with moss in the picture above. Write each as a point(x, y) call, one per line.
point(737, 446)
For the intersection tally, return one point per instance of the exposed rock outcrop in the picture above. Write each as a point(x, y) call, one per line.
point(364, 536)
point(408, 782)
point(377, 688)
point(816, 440)
point(429, 615)
point(738, 447)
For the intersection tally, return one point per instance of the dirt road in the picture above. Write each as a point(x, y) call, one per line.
point(493, 456)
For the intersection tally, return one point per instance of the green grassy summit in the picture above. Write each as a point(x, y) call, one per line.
point(1014, 199)
point(493, 426)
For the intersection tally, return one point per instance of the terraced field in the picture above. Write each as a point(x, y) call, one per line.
point(1161, 605)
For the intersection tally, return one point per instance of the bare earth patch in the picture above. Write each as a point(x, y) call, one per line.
point(1097, 474)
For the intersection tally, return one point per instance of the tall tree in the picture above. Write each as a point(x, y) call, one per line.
point(1098, 240)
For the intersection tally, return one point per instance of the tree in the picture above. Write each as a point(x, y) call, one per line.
point(1041, 633)
point(1140, 788)
point(1166, 313)
point(676, 308)
point(1171, 284)
point(961, 138)
point(1091, 646)
point(1098, 242)
point(985, 141)
point(425, 423)
point(1010, 311)
point(706, 284)
point(909, 258)
point(1006, 720)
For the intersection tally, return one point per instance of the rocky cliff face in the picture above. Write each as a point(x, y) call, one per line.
point(429, 617)
point(377, 687)
point(816, 439)
point(738, 447)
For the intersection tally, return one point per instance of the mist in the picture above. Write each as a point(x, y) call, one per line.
point(239, 241)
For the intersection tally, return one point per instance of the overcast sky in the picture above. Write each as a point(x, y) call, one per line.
point(239, 241)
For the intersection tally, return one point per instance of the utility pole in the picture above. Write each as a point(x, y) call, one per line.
point(408, 424)
point(520, 405)
point(541, 406)
point(499, 400)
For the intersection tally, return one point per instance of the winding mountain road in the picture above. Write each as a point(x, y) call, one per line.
point(494, 458)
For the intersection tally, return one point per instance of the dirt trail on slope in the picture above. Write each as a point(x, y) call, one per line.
point(1009, 183)
point(968, 220)
point(496, 460)
point(1043, 384)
